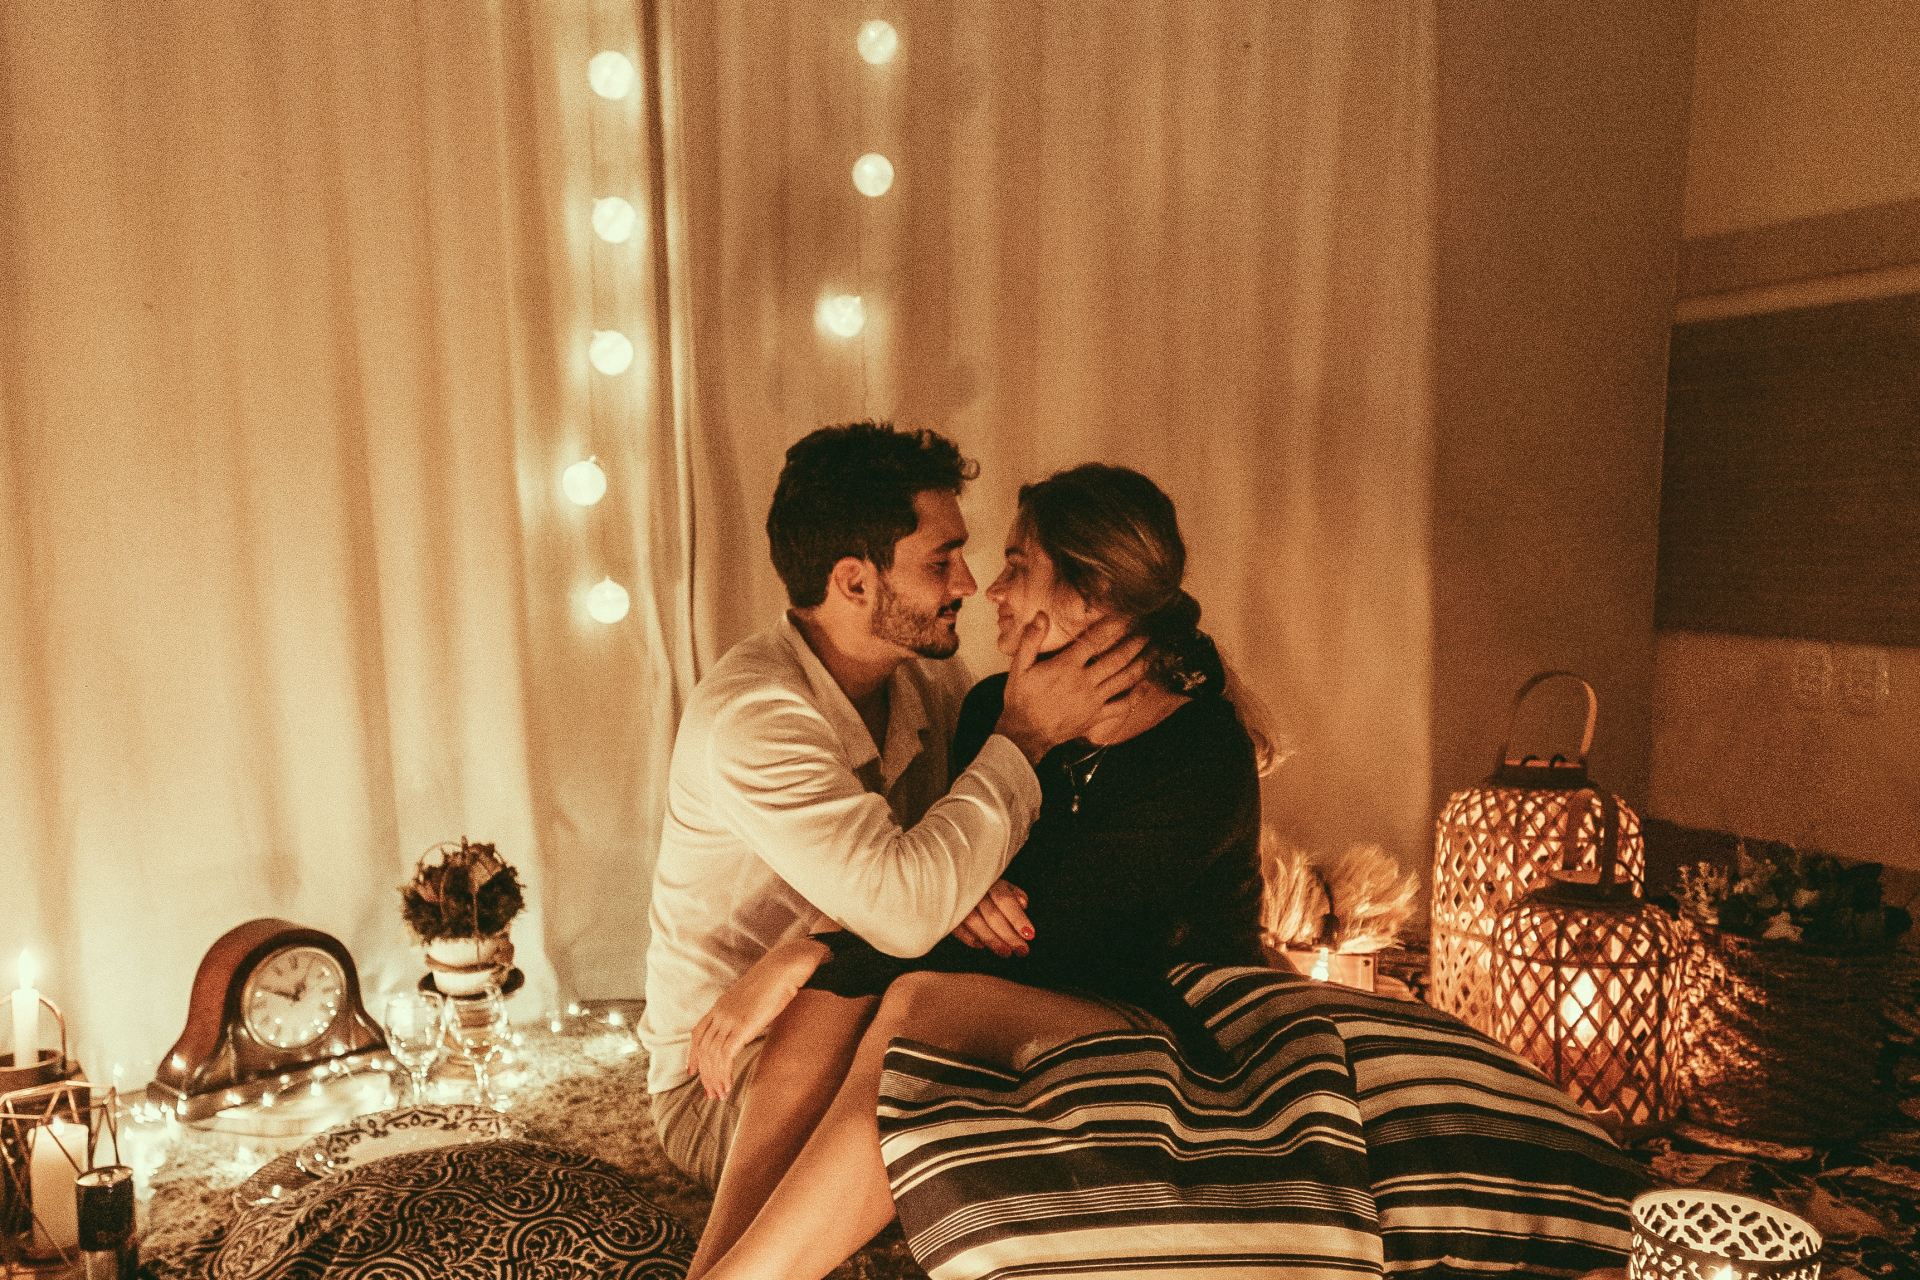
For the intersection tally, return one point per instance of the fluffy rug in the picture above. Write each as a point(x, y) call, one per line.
point(584, 1088)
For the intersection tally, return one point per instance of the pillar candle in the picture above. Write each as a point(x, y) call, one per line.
point(55, 1211)
point(26, 1017)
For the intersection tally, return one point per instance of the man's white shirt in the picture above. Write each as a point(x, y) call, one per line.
point(783, 815)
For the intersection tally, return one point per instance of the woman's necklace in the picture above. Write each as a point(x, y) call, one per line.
point(1079, 781)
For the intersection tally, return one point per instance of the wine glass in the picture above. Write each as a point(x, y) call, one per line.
point(416, 1035)
point(481, 1024)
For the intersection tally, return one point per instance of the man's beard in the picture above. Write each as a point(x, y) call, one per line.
point(926, 632)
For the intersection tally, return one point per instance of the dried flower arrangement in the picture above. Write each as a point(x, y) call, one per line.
point(1783, 894)
point(1355, 901)
point(462, 890)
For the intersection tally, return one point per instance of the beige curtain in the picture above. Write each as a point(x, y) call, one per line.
point(294, 305)
point(1186, 235)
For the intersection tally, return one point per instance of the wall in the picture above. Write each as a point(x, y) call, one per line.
point(1805, 133)
point(1561, 149)
point(1800, 110)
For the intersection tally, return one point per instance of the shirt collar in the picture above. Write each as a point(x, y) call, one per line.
point(907, 722)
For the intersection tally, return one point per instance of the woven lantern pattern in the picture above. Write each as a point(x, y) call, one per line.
point(1585, 990)
point(1691, 1234)
point(1495, 842)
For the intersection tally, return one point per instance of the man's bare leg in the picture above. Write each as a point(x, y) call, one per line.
point(809, 1049)
point(835, 1197)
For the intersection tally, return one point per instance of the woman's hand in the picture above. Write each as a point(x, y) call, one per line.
point(999, 923)
point(748, 1008)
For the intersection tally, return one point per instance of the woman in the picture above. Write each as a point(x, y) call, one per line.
point(1145, 853)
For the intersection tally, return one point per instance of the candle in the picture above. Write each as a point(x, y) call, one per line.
point(1573, 1010)
point(26, 1017)
point(1322, 965)
point(58, 1146)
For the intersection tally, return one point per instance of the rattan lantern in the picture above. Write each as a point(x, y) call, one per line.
point(1585, 976)
point(1496, 841)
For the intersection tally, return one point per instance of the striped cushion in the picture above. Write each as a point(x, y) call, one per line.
point(1354, 1135)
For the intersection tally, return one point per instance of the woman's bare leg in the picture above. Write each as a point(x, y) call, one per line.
point(806, 1057)
point(834, 1197)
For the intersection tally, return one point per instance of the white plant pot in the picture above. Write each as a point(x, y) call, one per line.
point(466, 966)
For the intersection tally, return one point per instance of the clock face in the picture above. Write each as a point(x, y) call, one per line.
point(292, 997)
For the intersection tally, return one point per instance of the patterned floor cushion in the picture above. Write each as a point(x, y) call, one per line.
point(1354, 1135)
point(484, 1210)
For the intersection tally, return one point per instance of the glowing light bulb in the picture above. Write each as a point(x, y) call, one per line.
point(1322, 965)
point(607, 601)
point(843, 315)
point(611, 352)
point(614, 219)
point(873, 174)
point(584, 482)
point(878, 42)
point(611, 74)
point(1574, 1006)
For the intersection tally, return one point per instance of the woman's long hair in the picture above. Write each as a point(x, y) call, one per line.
point(1113, 537)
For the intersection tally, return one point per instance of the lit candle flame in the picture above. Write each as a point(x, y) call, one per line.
point(1725, 1273)
point(1322, 965)
point(1574, 1020)
point(28, 971)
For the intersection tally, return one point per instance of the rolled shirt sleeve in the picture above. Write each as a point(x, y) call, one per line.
point(781, 781)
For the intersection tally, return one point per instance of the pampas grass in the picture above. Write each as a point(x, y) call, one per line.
point(1369, 896)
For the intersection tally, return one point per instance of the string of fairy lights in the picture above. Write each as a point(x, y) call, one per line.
point(844, 315)
point(610, 351)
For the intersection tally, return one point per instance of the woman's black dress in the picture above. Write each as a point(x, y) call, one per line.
point(1145, 853)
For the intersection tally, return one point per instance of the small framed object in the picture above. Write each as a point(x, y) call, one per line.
point(271, 999)
point(1324, 964)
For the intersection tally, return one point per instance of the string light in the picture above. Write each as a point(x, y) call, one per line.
point(878, 42)
point(584, 482)
point(873, 174)
point(611, 74)
point(843, 315)
point(611, 352)
point(614, 218)
point(607, 601)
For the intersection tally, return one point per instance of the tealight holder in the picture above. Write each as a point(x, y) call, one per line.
point(1690, 1234)
point(38, 1144)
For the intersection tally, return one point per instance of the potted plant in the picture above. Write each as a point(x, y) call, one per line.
point(1796, 954)
point(459, 903)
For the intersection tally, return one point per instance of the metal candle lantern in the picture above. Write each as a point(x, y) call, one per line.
point(1584, 985)
point(37, 1130)
point(1710, 1235)
point(1496, 841)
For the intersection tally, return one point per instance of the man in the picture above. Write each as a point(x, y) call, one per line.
point(808, 786)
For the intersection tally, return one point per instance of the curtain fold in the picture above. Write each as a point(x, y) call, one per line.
point(297, 301)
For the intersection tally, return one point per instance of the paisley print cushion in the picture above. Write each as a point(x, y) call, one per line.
point(481, 1210)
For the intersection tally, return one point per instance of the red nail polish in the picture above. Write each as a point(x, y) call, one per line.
point(1027, 934)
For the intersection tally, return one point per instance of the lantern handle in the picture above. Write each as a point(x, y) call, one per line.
point(1609, 832)
point(1520, 696)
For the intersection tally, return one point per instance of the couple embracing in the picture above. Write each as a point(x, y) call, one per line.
point(859, 848)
